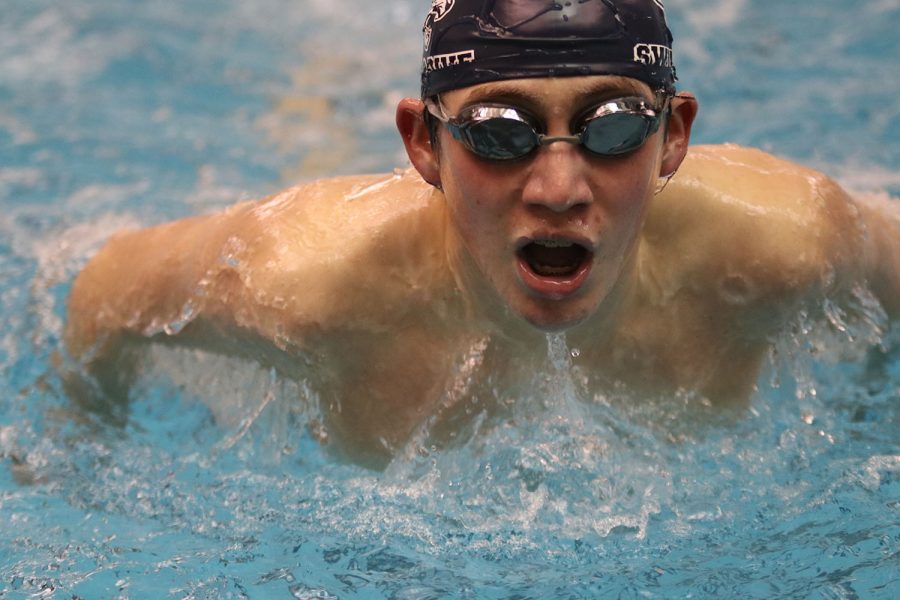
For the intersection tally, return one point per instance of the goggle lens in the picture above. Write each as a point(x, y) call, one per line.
point(616, 133)
point(499, 138)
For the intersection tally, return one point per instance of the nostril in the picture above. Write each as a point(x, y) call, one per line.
point(559, 203)
point(558, 199)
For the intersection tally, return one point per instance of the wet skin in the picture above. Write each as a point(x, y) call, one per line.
point(400, 303)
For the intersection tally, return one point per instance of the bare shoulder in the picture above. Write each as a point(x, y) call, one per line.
point(345, 248)
point(283, 267)
point(752, 226)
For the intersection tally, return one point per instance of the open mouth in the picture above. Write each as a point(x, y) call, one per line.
point(554, 259)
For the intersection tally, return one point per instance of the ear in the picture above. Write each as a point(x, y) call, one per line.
point(679, 122)
point(414, 132)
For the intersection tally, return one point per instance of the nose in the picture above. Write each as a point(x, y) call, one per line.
point(557, 178)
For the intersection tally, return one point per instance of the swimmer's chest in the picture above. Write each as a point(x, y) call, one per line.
point(383, 385)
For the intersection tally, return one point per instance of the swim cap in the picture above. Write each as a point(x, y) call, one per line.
point(468, 42)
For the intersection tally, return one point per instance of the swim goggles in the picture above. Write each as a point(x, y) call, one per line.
point(502, 132)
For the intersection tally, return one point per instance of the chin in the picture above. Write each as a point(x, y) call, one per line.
point(554, 319)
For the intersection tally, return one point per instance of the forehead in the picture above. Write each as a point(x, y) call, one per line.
point(547, 92)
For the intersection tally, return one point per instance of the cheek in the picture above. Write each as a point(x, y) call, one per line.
point(477, 193)
point(629, 186)
point(479, 227)
point(627, 224)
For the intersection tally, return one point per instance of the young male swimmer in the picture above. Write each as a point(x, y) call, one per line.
point(541, 147)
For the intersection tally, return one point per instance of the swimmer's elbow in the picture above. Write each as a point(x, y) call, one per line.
point(136, 277)
point(880, 216)
point(90, 305)
point(863, 248)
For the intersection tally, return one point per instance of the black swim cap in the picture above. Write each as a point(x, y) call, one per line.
point(468, 42)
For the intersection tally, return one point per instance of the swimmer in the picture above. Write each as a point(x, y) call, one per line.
point(551, 190)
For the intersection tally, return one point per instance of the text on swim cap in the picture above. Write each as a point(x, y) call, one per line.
point(653, 54)
point(442, 61)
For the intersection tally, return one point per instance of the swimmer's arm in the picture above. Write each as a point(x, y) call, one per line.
point(198, 282)
point(881, 256)
point(134, 284)
point(858, 242)
point(140, 283)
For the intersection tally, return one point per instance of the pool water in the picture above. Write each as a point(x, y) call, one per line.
point(119, 114)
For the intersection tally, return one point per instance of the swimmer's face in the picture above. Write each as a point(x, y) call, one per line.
point(552, 234)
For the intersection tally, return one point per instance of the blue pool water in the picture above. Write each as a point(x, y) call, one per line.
point(125, 113)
